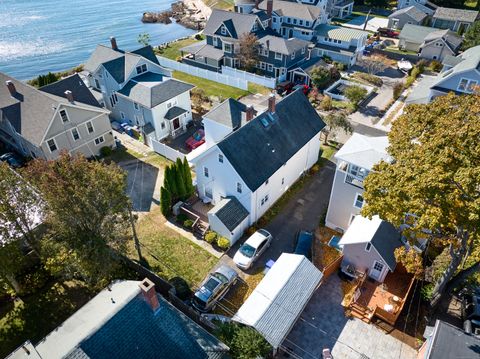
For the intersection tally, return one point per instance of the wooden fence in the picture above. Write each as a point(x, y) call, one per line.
point(332, 267)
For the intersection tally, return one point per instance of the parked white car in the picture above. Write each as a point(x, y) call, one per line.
point(253, 248)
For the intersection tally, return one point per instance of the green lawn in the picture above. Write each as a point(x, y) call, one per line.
point(211, 88)
point(398, 51)
point(173, 49)
point(220, 4)
point(347, 105)
point(36, 315)
point(169, 254)
point(359, 13)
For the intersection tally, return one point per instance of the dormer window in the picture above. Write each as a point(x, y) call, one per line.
point(278, 56)
point(141, 69)
point(223, 30)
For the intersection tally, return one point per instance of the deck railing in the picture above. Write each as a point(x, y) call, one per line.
point(354, 181)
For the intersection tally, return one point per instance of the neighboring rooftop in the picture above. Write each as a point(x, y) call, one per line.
point(415, 33)
point(230, 212)
point(293, 9)
point(230, 113)
point(339, 32)
point(150, 89)
point(202, 49)
point(279, 299)
point(446, 13)
point(263, 145)
point(283, 46)
point(119, 323)
point(412, 11)
point(383, 236)
point(236, 23)
point(451, 38)
point(364, 151)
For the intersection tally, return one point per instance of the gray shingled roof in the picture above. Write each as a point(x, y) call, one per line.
point(385, 240)
point(230, 212)
point(452, 342)
point(446, 13)
point(452, 39)
point(31, 110)
point(150, 90)
point(236, 23)
point(283, 46)
point(411, 11)
point(100, 55)
point(293, 9)
point(73, 83)
point(175, 111)
point(230, 113)
point(256, 151)
point(339, 32)
point(415, 33)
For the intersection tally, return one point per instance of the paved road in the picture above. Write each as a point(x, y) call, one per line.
point(303, 211)
point(323, 325)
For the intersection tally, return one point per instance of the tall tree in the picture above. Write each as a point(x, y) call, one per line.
point(188, 178)
point(321, 77)
point(248, 52)
point(165, 201)
point(336, 121)
point(355, 94)
point(472, 35)
point(87, 215)
point(435, 175)
point(179, 182)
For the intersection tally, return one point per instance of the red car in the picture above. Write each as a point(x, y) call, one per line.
point(197, 139)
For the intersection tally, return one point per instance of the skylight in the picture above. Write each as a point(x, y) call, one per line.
point(264, 122)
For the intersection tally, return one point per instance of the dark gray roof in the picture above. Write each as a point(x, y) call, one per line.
point(294, 9)
point(30, 111)
point(230, 212)
point(150, 90)
point(451, 60)
point(283, 46)
point(175, 111)
point(446, 13)
point(148, 53)
point(101, 55)
point(451, 38)
point(148, 128)
point(73, 83)
point(415, 33)
point(412, 11)
point(452, 342)
point(116, 68)
point(256, 151)
point(385, 240)
point(230, 113)
point(236, 23)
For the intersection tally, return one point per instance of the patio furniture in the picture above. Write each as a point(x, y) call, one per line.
point(349, 271)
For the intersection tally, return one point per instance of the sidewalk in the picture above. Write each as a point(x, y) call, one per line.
point(132, 144)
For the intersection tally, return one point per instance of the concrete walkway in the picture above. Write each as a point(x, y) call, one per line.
point(132, 144)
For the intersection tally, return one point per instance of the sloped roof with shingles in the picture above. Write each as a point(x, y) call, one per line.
point(451, 38)
point(339, 32)
point(278, 301)
point(230, 113)
point(175, 111)
point(415, 33)
point(256, 151)
point(294, 9)
point(283, 46)
point(446, 13)
point(449, 342)
point(237, 24)
point(230, 212)
point(411, 11)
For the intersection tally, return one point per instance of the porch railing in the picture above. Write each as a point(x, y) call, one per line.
point(354, 181)
point(178, 132)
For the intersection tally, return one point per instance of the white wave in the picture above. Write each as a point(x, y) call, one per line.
point(13, 50)
point(11, 20)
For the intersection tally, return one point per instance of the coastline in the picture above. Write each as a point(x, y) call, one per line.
point(192, 14)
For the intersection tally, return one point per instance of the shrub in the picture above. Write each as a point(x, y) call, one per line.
point(223, 242)
point(355, 94)
point(421, 65)
point(210, 237)
point(426, 292)
point(182, 289)
point(415, 72)
point(375, 80)
point(327, 59)
point(181, 218)
point(339, 66)
point(321, 77)
point(178, 59)
point(251, 230)
point(410, 81)
point(326, 103)
point(105, 151)
point(198, 37)
point(436, 66)
point(397, 89)
point(188, 223)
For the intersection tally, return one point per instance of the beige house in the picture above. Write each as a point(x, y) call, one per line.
point(40, 123)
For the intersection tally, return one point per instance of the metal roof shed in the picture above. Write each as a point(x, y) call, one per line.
point(277, 302)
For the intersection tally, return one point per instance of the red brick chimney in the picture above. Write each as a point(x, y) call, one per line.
point(269, 8)
point(113, 42)
point(148, 291)
point(11, 87)
point(257, 2)
point(69, 95)
point(250, 113)
point(271, 103)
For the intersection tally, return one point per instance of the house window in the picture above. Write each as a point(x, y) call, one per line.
point(278, 56)
point(288, 20)
point(220, 158)
point(162, 125)
point(266, 198)
point(97, 84)
point(300, 22)
point(239, 187)
point(262, 202)
point(215, 41)
point(303, 50)
point(254, 27)
point(141, 69)
point(64, 116)
point(368, 246)
point(122, 115)
point(227, 47)
point(467, 85)
point(223, 30)
point(307, 23)
point(99, 140)
point(295, 21)
point(274, 19)
point(263, 65)
point(270, 67)
point(52, 146)
point(90, 128)
point(352, 217)
point(136, 106)
point(205, 171)
point(266, 182)
point(171, 103)
point(113, 99)
point(283, 181)
point(358, 203)
point(293, 55)
point(75, 134)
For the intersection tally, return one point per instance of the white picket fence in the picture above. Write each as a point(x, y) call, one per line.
point(205, 74)
point(166, 151)
point(244, 75)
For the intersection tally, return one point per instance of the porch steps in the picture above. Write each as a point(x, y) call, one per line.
point(201, 228)
point(360, 312)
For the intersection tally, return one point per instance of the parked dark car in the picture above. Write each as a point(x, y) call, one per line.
point(383, 31)
point(13, 160)
point(284, 88)
point(471, 311)
point(304, 244)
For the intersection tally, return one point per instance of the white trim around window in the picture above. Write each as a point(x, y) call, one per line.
point(278, 56)
point(63, 115)
point(368, 246)
point(52, 144)
point(75, 134)
point(88, 127)
point(359, 200)
point(99, 140)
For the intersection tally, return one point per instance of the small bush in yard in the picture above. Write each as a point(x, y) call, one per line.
point(181, 218)
point(375, 80)
point(251, 230)
point(210, 237)
point(436, 66)
point(188, 223)
point(223, 243)
point(105, 151)
point(397, 90)
point(326, 103)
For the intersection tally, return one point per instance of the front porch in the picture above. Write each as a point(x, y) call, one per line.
point(196, 210)
point(382, 300)
point(343, 9)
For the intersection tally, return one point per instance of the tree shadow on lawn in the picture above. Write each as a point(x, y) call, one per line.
point(36, 315)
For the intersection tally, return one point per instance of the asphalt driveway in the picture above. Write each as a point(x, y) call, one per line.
point(323, 325)
point(303, 211)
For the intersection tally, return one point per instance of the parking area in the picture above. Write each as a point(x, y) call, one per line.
point(323, 325)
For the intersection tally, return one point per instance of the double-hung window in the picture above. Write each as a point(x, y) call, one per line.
point(64, 115)
point(239, 187)
point(205, 172)
point(52, 146)
point(75, 134)
point(278, 56)
point(220, 158)
point(358, 203)
point(90, 128)
point(99, 140)
point(141, 69)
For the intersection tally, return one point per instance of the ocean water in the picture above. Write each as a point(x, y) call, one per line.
point(37, 36)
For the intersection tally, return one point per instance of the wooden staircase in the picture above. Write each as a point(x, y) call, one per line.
point(201, 228)
point(361, 312)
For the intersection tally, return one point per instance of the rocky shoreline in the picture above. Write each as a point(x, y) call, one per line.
point(192, 14)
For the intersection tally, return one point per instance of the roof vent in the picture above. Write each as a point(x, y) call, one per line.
point(69, 95)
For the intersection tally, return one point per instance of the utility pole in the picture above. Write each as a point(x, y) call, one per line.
point(366, 20)
point(134, 232)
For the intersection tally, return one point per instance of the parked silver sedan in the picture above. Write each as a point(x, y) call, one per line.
point(252, 249)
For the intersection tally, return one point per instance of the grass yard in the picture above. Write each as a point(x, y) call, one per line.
point(211, 88)
point(172, 51)
point(36, 315)
point(168, 253)
point(220, 4)
point(344, 105)
point(398, 51)
point(359, 13)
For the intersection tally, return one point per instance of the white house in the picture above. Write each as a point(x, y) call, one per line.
point(423, 5)
point(258, 161)
point(354, 162)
